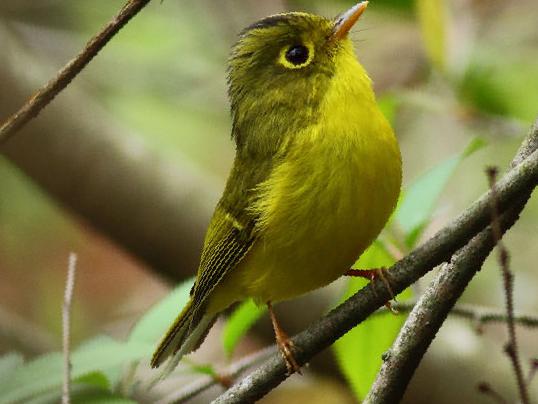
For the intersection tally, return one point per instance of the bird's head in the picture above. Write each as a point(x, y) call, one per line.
point(281, 67)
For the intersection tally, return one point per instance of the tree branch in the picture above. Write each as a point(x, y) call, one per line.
point(479, 315)
point(156, 209)
point(516, 185)
point(428, 316)
point(50, 90)
point(430, 312)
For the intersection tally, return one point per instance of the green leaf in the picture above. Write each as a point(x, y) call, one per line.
point(239, 323)
point(359, 352)
point(34, 377)
point(154, 324)
point(415, 209)
point(432, 18)
point(103, 353)
point(95, 379)
point(479, 87)
point(46, 372)
point(201, 368)
point(389, 104)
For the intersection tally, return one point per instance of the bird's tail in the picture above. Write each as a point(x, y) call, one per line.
point(184, 336)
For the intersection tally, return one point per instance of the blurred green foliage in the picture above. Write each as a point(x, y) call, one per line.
point(163, 78)
point(95, 363)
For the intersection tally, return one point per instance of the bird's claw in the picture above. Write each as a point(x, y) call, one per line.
point(285, 346)
point(372, 275)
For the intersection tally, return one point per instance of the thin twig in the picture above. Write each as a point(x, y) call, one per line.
point(431, 253)
point(478, 314)
point(489, 391)
point(508, 281)
point(532, 371)
point(232, 372)
point(46, 94)
point(66, 326)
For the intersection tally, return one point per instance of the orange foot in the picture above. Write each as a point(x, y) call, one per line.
point(372, 275)
point(285, 345)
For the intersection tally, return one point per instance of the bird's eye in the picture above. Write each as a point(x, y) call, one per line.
point(297, 54)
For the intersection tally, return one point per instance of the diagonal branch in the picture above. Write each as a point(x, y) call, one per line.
point(50, 90)
point(429, 314)
point(480, 315)
point(516, 185)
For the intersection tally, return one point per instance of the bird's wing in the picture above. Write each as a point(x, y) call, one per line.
point(232, 230)
point(227, 242)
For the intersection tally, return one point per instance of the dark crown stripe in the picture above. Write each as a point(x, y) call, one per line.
point(267, 22)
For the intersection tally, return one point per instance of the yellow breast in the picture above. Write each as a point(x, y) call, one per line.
point(329, 199)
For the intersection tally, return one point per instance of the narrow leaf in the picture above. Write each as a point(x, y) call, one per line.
point(241, 320)
point(204, 369)
point(153, 325)
point(416, 207)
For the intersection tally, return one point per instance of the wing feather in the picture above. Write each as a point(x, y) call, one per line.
point(222, 252)
point(232, 230)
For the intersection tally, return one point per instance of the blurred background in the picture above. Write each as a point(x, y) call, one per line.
point(125, 166)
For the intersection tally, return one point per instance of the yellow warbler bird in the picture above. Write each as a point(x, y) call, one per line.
point(316, 175)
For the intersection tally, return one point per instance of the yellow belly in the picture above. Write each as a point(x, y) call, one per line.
point(319, 211)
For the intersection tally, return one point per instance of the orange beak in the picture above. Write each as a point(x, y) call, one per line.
point(344, 23)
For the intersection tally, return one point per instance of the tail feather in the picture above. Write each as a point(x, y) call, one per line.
point(184, 336)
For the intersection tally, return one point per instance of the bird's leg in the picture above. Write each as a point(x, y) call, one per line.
point(285, 345)
point(372, 275)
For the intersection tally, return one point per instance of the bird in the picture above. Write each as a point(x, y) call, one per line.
point(316, 175)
